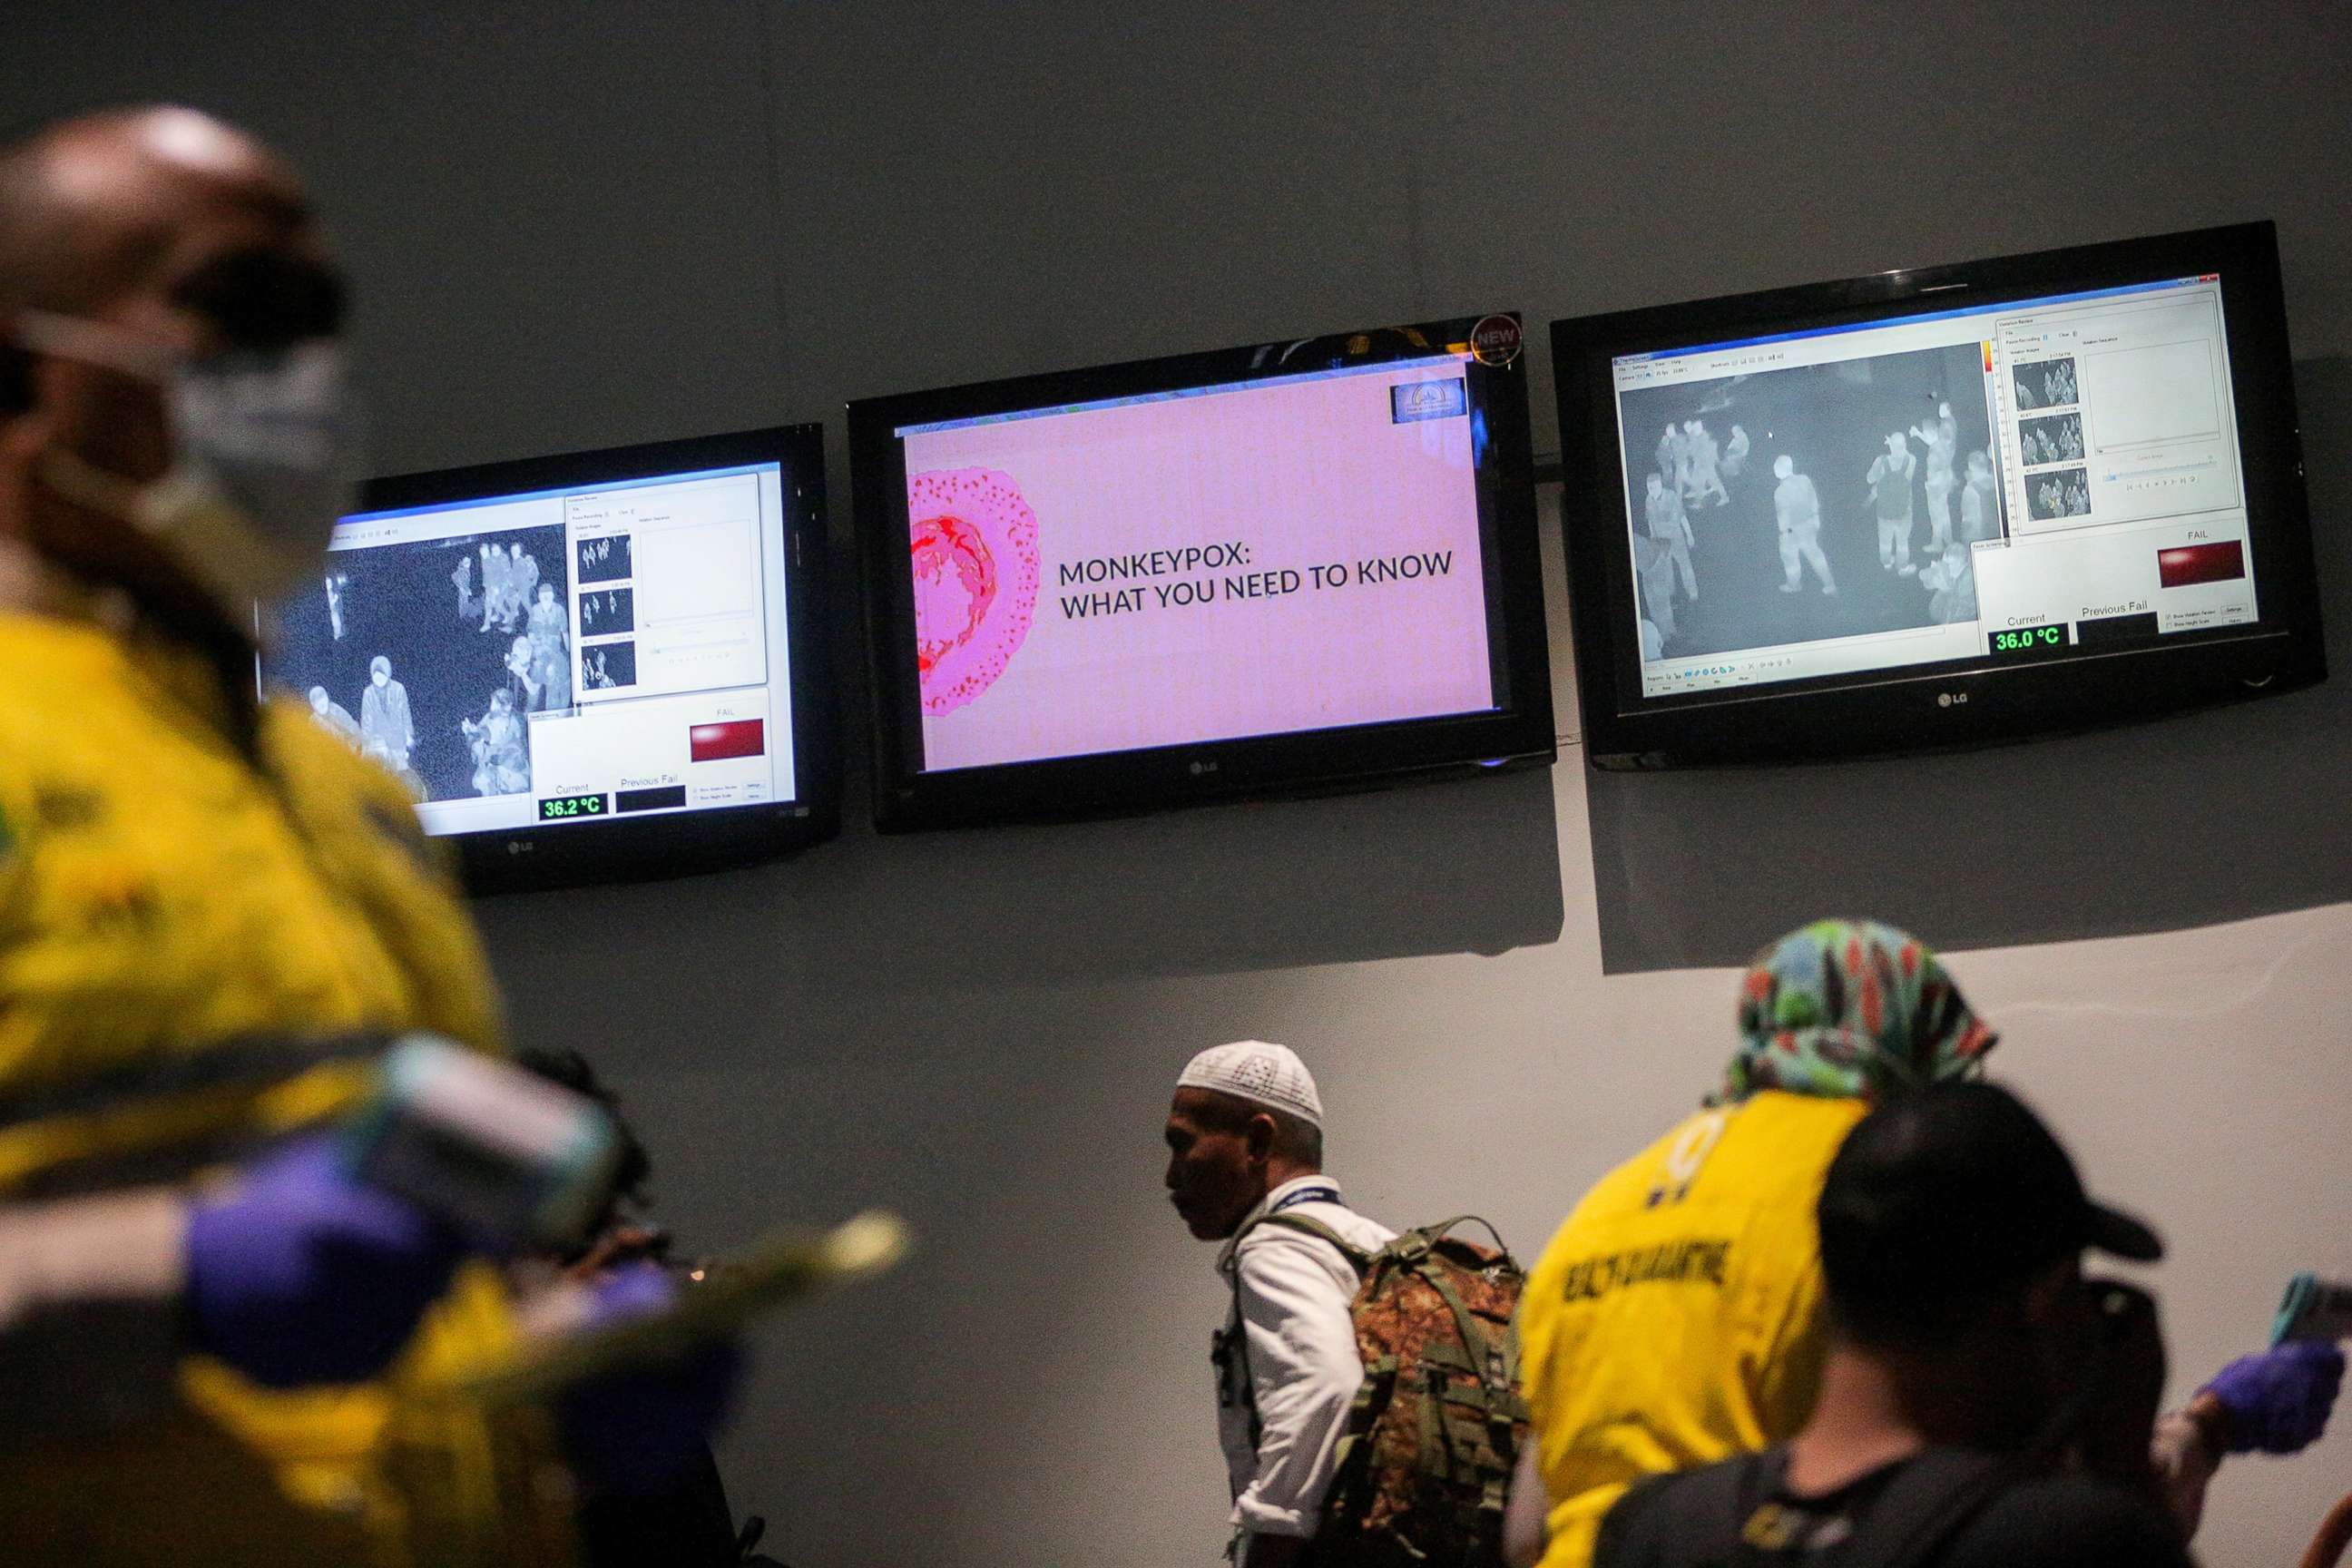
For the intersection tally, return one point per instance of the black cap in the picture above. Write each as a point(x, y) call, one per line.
point(1958, 1189)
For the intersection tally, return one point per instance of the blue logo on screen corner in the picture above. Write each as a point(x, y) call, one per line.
point(1427, 400)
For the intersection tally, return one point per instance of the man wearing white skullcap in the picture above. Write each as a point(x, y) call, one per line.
point(1245, 1143)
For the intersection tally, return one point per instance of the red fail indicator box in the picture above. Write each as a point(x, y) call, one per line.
point(734, 738)
point(2189, 565)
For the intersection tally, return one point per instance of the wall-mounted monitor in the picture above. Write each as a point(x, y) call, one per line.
point(1937, 507)
point(604, 665)
point(1299, 565)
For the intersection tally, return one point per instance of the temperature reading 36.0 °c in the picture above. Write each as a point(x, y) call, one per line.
point(2022, 640)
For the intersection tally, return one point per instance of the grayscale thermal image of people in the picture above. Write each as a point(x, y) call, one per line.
point(1890, 497)
point(427, 671)
point(551, 650)
point(336, 718)
point(604, 560)
point(523, 584)
point(522, 686)
point(1980, 501)
point(1702, 479)
point(1781, 488)
point(2057, 439)
point(494, 585)
point(1655, 570)
point(2049, 384)
point(384, 715)
point(604, 612)
point(1797, 507)
point(1942, 439)
point(1671, 527)
point(1735, 454)
point(1951, 584)
point(2055, 495)
point(468, 606)
point(498, 741)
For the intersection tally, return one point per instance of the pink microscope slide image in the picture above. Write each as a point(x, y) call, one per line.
point(974, 544)
point(1143, 575)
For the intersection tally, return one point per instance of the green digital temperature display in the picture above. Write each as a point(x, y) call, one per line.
point(2024, 642)
point(564, 807)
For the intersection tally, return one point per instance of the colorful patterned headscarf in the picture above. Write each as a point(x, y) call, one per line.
point(1848, 1009)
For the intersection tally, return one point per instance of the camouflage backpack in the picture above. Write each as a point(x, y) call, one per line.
point(1425, 1462)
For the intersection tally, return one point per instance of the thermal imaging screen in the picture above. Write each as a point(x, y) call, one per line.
point(559, 656)
point(2031, 479)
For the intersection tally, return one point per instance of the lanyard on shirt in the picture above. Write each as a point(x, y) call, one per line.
point(1305, 1196)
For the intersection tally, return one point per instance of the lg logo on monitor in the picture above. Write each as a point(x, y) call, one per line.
point(1946, 698)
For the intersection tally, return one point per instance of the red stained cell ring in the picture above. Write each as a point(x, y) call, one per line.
point(974, 544)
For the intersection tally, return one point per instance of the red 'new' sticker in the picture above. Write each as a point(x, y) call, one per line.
point(1495, 340)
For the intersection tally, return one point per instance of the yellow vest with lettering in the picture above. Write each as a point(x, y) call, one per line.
point(1675, 1318)
point(178, 927)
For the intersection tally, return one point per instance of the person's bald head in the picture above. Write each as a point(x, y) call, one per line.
point(97, 210)
point(181, 237)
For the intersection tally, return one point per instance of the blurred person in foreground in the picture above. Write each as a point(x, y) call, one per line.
point(680, 1520)
point(212, 915)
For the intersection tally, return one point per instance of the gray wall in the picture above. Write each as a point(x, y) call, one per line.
point(576, 225)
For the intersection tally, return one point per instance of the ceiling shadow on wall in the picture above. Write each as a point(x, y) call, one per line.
point(2210, 816)
point(1467, 865)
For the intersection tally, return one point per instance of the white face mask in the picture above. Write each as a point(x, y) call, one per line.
point(265, 456)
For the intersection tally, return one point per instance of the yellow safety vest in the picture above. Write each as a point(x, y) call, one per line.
point(1675, 1318)
point(183, 935)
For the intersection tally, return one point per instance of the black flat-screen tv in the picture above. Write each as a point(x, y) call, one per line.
point(600, 666)
point(1297, 565)
point(1939, 507)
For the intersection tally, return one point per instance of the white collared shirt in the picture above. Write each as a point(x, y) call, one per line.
point(1293, 1292)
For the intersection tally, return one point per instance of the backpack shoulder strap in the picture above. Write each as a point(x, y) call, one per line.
point(1690, 1520)
point(1925, 1506)
point(1711, 1518)
point(1306, 1225)
point(1234, 1342)
point(1229, 1351)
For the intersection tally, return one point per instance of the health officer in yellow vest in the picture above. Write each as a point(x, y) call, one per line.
point(209, 908)
point(1675, 1318)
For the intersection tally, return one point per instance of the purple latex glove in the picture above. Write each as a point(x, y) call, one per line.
point(634, 1431)
point(2279, 1400)
point(301, 1274)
